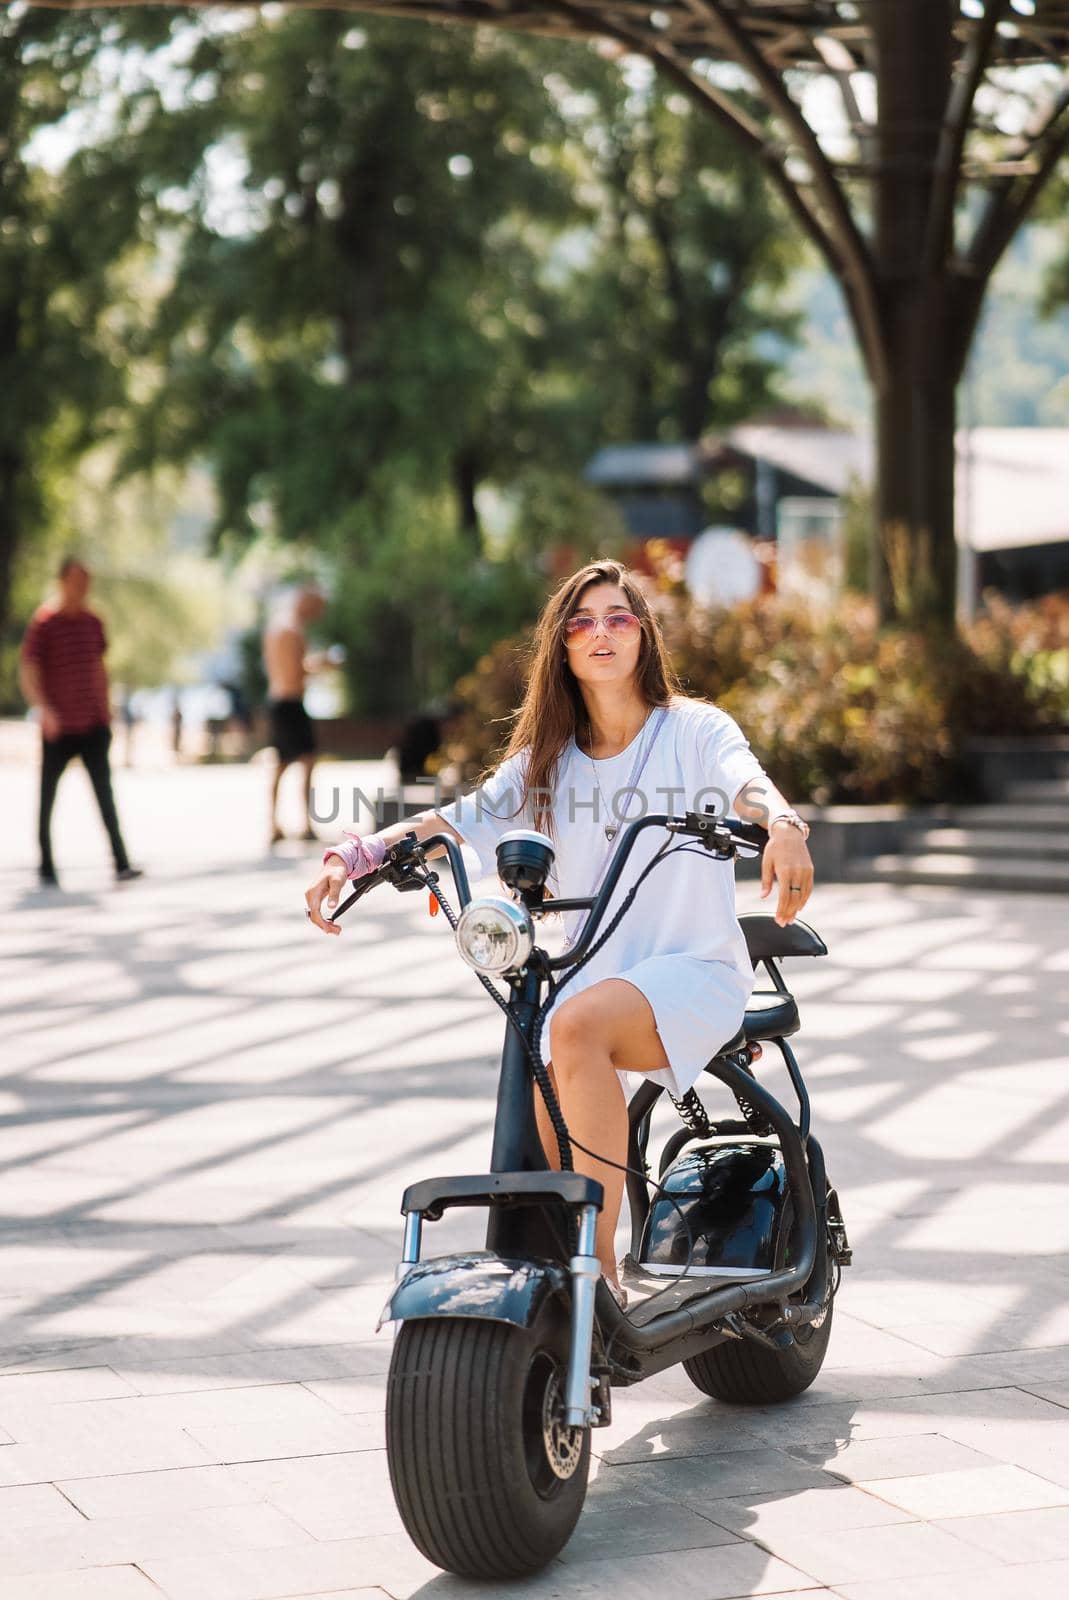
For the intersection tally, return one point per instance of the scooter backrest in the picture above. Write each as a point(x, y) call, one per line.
point(766, 940)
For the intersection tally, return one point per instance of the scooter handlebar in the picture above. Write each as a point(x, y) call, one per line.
point(397, 868)
point(403, 867)
point(716, 833)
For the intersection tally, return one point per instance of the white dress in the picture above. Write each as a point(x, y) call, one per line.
point(680, 943)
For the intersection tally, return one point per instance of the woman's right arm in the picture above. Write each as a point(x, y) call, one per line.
point(337, 867)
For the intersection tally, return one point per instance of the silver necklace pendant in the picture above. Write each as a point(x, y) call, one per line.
point(611, 831)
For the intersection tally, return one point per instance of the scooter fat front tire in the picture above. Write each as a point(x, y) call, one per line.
point(488, 1482)
point(742, 1373)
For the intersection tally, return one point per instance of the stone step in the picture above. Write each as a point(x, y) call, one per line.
point(1038, 790)
point(964, 872)
point(1023, 842)
point(1042, 818)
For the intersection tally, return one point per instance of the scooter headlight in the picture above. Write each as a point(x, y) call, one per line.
point(494, 935)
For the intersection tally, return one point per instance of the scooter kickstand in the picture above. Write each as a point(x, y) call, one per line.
point(586, 1270)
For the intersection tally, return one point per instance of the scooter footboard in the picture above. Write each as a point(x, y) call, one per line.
point(476, 1284)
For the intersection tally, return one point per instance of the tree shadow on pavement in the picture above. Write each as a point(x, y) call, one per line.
point(208, 1117)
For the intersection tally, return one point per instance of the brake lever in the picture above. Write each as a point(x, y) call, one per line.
point(360, 889)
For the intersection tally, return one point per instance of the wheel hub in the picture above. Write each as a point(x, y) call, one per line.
point(564, 1445)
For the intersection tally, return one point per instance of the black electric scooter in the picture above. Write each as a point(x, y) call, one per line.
point(505, 1358)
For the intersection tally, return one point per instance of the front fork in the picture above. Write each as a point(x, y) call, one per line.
point(413, 1240)
point(586, 1270)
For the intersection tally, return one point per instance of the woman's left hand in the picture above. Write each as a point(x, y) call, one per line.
point(787, 862)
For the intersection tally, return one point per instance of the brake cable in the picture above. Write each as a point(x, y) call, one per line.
point(565, 1140)
point(538, 1068)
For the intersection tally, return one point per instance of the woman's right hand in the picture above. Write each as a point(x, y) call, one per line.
point(328, 886)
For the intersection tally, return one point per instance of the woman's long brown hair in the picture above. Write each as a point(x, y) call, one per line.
point(553, 711)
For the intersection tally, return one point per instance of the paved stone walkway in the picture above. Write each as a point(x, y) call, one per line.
point(208, 1116)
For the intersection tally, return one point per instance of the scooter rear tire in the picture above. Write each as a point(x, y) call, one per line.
point(471, 1466)
point(742, 1373)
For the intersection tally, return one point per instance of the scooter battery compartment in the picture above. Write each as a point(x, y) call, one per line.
point(732, 1194)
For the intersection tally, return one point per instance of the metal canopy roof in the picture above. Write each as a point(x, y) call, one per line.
point(875, 174)
point(916, 122)
point(773, 43)
point(827, 35)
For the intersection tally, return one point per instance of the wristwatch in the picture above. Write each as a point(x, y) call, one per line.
point(793, 818)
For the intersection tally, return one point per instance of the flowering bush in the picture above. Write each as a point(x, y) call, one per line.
point(838, 708)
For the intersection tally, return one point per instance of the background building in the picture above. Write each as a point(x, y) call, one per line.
point(1012, 491)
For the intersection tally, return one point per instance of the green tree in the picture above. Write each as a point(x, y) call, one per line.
point(679, 313)
point(363, 288)
point(472, 254)
point(402, 265)
point(61, 359)
point(413, 623)
point(365, 272)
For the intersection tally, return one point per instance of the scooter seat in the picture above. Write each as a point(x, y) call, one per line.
point(770, 1015)
point(773, 1017)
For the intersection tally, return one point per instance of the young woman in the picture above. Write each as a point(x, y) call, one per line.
point(604, 736)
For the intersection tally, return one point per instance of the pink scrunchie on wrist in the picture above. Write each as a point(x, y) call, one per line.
point(361, 856)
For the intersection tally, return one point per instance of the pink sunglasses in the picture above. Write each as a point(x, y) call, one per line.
point(617, 625)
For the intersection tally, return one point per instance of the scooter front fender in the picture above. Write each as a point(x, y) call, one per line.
point(477, 1284)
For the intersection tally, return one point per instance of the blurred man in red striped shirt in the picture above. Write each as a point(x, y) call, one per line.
point(63, 675)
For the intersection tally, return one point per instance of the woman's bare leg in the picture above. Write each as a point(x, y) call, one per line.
point(607, 1029)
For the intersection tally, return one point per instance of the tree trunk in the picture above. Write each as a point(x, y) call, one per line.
point(9, 534)
point(465, 483)
point(914, 552)
point(914, 557)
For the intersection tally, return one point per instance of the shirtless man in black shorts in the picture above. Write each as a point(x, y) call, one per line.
point(287, 665)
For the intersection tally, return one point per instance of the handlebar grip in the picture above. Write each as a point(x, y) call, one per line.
point(752, 832)
point(360, 889)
